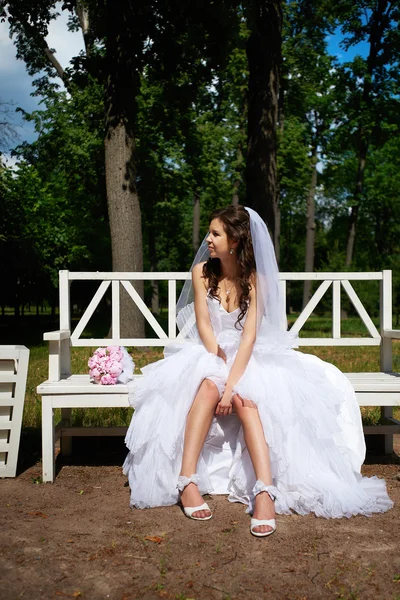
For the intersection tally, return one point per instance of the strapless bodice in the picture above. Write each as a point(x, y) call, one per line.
point(221, 319)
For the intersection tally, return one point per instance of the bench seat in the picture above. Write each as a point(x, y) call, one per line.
point(366, 386)
point(77, 391)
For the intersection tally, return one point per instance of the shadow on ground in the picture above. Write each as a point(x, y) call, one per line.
point(78, 538)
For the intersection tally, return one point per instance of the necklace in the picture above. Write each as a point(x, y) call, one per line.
point(227, 292)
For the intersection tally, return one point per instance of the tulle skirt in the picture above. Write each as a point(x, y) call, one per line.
point(311, 421)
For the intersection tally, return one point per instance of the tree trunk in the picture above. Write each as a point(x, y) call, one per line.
point(155, 294)
point(122, 87)
point(277, 232)
point(264, 58)
point(82, 12)
point(235, 195)
point(355, 208)
point(196, 222)
point(239, 162)
point(278, 215)
point(125, 222)
point(310, 226)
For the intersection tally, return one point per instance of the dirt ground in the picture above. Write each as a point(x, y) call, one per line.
point(78, 538)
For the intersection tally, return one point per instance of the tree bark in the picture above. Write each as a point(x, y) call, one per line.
point(239, 162)
point(264, 59)
point(122, 87)
point(277, 232)
point(125, 221)
point(83, 15)
point(235, 195)
point(155, 293)
point(52, 59)
point(310, 226)
point(196, 222)
point(278, 215)
point(362, 159)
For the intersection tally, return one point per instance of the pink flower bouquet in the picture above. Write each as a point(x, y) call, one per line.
point(111, 365)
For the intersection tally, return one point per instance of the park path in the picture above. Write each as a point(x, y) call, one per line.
point(78, 538)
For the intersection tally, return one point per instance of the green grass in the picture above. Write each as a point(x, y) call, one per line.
point(29, 331)
point(321, 326)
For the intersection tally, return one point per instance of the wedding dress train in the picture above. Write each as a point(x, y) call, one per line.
point(308, 410)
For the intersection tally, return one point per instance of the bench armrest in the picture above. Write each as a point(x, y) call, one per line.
point(57, 336)
point(59, 353)
point(393, 334)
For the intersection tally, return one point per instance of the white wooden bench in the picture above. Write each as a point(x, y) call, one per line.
point(13, 373)
point(66, 391)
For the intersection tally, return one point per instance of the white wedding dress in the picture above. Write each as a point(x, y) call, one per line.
point(308, 410)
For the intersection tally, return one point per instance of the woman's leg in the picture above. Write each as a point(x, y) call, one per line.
point(259, 454)
point(198, 423)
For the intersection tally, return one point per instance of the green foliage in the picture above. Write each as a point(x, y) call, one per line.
point(190, 130)
point(53, 204)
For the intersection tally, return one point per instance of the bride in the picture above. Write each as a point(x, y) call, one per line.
point(234, 409)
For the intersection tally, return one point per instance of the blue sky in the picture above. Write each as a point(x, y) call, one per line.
point(16, 84)
point(335, 49)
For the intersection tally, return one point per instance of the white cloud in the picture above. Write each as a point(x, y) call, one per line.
point(9, 161)
point(8, 62)
point(67, 44)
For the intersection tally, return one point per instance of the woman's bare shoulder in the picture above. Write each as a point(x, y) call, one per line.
point(197, 275)
point(198, 269)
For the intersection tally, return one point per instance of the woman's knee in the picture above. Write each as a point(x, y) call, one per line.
point(210, 390)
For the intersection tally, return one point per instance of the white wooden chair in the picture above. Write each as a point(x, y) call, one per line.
point(66, 391)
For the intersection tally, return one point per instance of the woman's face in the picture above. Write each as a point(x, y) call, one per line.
point(217, 240)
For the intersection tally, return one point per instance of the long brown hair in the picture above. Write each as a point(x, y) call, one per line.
point(236, 223)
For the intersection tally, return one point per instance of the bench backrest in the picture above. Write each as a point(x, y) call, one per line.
point(338, 281)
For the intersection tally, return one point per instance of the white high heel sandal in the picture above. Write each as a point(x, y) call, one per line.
point(189, 510)
point(271, 491)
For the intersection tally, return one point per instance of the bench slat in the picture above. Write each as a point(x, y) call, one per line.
point(80, 384)
point(92, 431)
point(339, 342)
point(89, 342)
point(86, 401)
point(7, 378)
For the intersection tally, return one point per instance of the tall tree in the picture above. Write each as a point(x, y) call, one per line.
point(370, 81)
point(308, 81)
point(124, 47)
point(264, 44)
point(118, 70)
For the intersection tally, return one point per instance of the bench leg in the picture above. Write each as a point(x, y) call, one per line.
point(48, 440)
point(388, 413)
point(66, 441)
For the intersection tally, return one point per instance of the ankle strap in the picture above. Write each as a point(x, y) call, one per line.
point(261, 487)
point(184, 481)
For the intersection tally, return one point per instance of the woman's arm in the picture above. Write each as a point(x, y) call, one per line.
point(203, 322)
point(242, 357)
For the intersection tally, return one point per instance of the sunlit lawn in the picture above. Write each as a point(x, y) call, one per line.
point(29, 332)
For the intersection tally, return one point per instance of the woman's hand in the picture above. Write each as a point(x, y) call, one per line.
point(245, 401)
point(221, 353)
point(224, 406)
